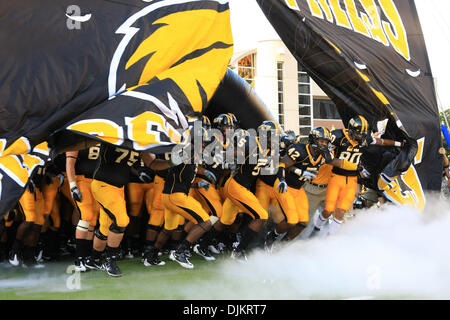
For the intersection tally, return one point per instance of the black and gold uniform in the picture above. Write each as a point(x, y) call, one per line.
point(111, 174)
point(156, 218)
point(176, 197)
point(139, 191)
point(341, 190)
point(32, 206)
point(210, 197)
point(85, 166)
point(178, 203)
point(301, 154)
point(237, 188)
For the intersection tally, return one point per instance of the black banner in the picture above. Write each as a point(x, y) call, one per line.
point(369, 57)
point(127, 72)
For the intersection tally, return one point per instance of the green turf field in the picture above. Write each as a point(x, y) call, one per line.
point(56, 281)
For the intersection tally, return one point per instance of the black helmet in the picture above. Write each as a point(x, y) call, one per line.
point(358, 128)
point(223, 120)
point(269, 125)
point(206, 123)
point(234, 119)
point(319, 133)
point(287, 139)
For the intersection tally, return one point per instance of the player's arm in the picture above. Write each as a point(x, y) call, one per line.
point(153, 163)
point(371, 139)
point(285, 162)
point(211, 177)
point(71, 159)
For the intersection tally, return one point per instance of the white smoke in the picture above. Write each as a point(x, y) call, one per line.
point(389, 253)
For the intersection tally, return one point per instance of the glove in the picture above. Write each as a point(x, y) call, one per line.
point(203, 184)
point(308, 175)
point(210, 177)
point(282, 186)
point(76, 193)
point(364, 173)
point(144, 177)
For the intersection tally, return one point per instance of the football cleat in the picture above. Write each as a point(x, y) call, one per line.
point(79, 265)
point(204, 252)
point(239, 255)
point(129, 254)
point(270, 241)
point(39, 257)
point(151, 258)
point(111, 267)
point(153, 261)
point(214, 249)
point(14, 259)
point(182, 259)
point(93, 264)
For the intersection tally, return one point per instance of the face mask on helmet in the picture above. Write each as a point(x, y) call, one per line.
point(358, 128)
point(269, 130)
point(223, 122)
point(206, 123)
point(319, 138)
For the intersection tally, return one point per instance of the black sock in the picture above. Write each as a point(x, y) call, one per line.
point(184, 246)
point(17, 246)
point(28, 254)
point(149, 243)
point(96, 255)
point(207, 238)
point(247, 237)
point(112, 252)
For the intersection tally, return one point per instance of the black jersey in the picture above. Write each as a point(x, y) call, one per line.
point(162, 173)
point(113, 165)
point(374, 159)
point(255, 160)
point(87, 161)
point(345, 149)
point(60, 162)
point(180, 178)
point(300, 153)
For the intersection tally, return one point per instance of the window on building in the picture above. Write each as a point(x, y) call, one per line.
point(280, 78)
point(246, 68)
point(325, 109)
point(304, 102)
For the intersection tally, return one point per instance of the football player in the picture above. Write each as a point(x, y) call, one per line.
point(301, 163)
point(110, 176)
point(156, 214)
point(239, 197)
point(27, 236)
point(177, 201)
point(139, 191)
point(342, 187)
point(80, 167)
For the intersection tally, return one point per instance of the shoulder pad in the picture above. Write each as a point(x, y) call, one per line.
point(336, 136)
point(297, 151)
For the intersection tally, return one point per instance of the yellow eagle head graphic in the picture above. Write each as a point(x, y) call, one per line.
point(189, 42)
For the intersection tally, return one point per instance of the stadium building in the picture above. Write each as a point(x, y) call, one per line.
point(293, 97)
